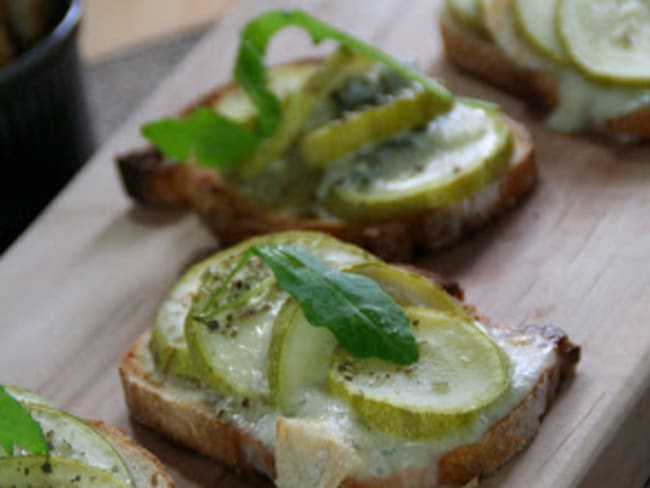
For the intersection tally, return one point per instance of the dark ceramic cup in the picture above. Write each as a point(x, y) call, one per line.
point(45, 133)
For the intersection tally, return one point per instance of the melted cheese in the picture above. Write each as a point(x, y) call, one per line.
point(588, 103)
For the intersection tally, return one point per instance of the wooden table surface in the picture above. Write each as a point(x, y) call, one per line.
point(88, 276)
point(112, 26)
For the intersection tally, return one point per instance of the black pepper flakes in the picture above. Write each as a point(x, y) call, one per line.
point(213, 325)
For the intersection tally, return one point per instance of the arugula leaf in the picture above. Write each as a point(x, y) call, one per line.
point(205, 137)
point(250, 71)
point(365, 320)
point(18, 428)
point(214, 140)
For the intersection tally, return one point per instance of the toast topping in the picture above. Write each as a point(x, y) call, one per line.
point(347, 135)
point(168, 339)
point(600, 77)
point(301, 354)
point(460, 371)
point(71, 453)
point(455, 156)
point(229, 324)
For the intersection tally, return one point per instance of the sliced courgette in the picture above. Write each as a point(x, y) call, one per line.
point(608, 39)
point(300, 104)
point(536, 19)
point(283, 80)
point(229, 351)
point(459, 153)
point(299, 357)
point(411, 109)
point(300, 353)
point(168, 343)
point(72, 438)
point(500, 21)
point(460, 371)
point(410, 289)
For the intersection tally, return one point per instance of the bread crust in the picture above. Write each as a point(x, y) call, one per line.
point(144, 466)
point(482, 58)
point(152, 181)
point(196, 425)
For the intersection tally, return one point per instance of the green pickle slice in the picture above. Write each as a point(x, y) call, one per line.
point(71, 438)
point(411, 109)
point(607, 39)
point(536, 19)
point(460, 371)
point(459, 153)
point(41, 472)
point(230, 351)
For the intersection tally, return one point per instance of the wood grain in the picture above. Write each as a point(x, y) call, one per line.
point(87, 277)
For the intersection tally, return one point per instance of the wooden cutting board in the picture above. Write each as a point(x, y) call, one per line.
point(88, 276)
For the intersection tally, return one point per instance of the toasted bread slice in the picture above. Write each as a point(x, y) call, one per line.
point(482, 58)
point(155, 182)
point(184, 412)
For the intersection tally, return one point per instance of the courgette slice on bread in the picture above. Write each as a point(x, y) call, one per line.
point(364, 148)
point(315, 430)
point(74, 452)
point(557, 56)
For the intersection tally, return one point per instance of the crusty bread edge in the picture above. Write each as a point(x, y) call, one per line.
point(199, 427)
point(143, 465)
point(480, 57)
point(152, 181)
